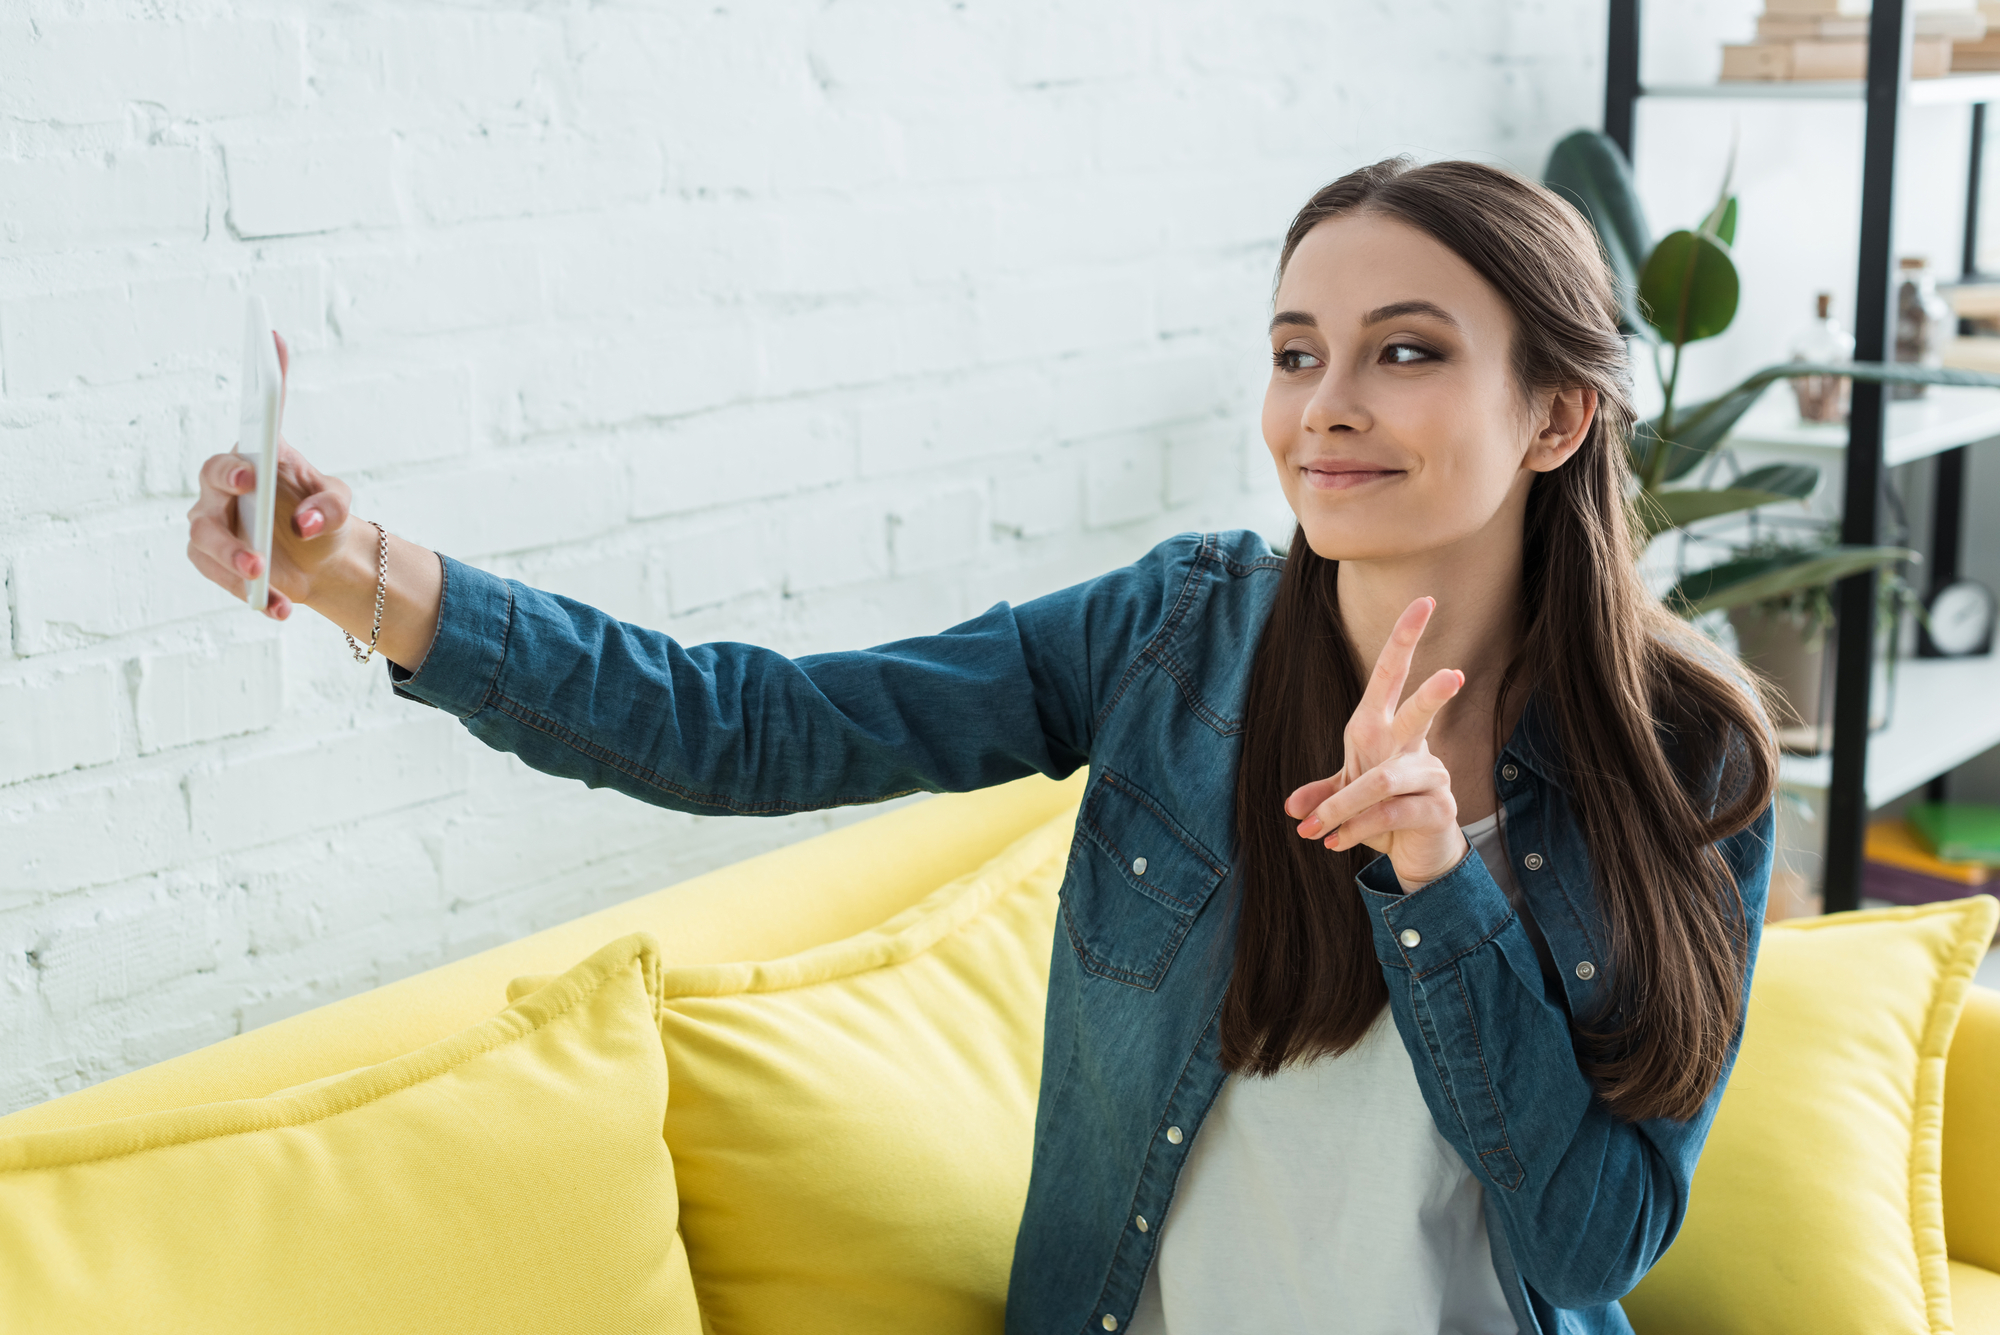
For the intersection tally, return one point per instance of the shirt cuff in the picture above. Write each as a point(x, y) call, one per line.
point(1428, 929)
point(475, 612)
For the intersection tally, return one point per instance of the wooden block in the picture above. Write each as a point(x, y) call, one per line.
point(1811, 27)
point(1801, 6)
point(1756, 62)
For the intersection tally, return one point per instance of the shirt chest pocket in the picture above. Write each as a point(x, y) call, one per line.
point(1137, 880)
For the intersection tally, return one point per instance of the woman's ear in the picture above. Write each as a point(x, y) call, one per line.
point(1564, 424)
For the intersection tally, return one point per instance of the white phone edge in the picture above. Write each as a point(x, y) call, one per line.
point(257, 439)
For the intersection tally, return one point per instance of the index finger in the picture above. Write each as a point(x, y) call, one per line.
point(1413, 720)
point(1392, 665)
point(217, 470)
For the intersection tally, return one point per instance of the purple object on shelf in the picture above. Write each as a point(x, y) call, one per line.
point(1900, 885)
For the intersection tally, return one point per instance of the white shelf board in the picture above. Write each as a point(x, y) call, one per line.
point(1945, 711)
point(1952, 88)
point(1948, 416)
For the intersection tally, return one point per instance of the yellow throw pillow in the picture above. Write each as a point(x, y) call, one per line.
point(1817, 1203)
point(852, 1125)
point(508, 1178)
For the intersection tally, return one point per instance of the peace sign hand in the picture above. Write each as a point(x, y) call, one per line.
point(1391, 793)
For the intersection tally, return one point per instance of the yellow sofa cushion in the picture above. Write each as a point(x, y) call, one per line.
point(1972, 1134)
point(852, 1125)
point(1817, 1204)
point(508, 1178)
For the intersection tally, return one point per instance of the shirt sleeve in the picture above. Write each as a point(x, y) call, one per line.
point(734, 729)
point(1590, 1201)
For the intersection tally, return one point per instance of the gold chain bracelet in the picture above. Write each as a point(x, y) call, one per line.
point(381, 590)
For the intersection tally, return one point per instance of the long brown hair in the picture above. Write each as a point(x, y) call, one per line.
point(1645, 715)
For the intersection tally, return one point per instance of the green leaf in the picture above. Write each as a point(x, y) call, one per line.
point(1589, 170)
point(1700, 428)
point(1752, 579)
point(1721, 221)
point(1794, 482)
point(1665, 510)
point(1689, 287)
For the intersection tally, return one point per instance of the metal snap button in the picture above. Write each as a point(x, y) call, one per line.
point(1174, 1135)
point(1510, 772)
point(1411, 937)
point(1138, 866)
point(1141, 1222)
point(1110, 1321)
point(1586, 970)
point(1533, 861)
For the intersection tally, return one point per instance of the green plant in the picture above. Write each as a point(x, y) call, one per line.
point(1809, 607)
point(1677, 291)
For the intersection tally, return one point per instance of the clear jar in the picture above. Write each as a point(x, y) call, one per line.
point(1924, 323)
point(1823, 398)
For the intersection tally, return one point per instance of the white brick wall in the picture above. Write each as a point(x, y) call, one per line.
point(808, 325)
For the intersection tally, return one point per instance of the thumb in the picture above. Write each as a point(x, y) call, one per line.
point(1307, 796)
point(324, 511)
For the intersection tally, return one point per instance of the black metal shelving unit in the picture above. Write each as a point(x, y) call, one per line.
point(1885, 93)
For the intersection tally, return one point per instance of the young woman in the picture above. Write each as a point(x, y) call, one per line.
point(1435, 831)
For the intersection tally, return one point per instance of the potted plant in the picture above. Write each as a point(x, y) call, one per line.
point(1676, 291)
point(1784, 636)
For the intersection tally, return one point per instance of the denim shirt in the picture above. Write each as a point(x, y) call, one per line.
point(1141, 674)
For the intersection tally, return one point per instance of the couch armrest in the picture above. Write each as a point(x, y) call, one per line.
point(1972, 1133)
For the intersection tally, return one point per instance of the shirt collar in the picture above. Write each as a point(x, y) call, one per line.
point(1534, 742)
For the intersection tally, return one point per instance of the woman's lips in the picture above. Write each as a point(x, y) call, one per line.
point(1346, 477)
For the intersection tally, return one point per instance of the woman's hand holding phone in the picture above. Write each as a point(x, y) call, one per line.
point(1391, 793)
point(312, 514)
point(321, 557)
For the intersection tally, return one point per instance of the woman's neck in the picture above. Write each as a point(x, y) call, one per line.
point(1476, 628)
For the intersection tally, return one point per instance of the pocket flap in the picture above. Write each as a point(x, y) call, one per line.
point(1152, 852)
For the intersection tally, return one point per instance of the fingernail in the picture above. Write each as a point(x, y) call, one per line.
point(245, 562)
point(310, 520)
point(239, 477)
point(1309, 827)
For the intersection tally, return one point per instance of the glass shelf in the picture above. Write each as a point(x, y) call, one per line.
point(1949, 90)
point(1946, 417)
point(1944, 712)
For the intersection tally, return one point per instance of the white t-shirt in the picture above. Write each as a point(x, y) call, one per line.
point(1323, 1198)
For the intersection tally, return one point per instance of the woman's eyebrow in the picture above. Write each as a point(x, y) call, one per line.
point(1294, 317)
point(1397, 309)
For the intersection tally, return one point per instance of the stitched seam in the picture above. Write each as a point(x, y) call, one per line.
point(1479, 1051)
point(652, 778)
point(1112, 778)
point(1446, 964)
point(1152, 1143)
point(506, 640)
point(1091, 963)
point(1139, 659)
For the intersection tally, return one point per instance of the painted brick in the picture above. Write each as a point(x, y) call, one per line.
point(717, 564)
point(737, 455)
point(40, 448)
point(832, 543)
point(1033, 317)
point(360, 419)
point(88, 71)
point(658, 366)
point(1123, 481)
point(504, 505)
point(57, 722)
point(56, 838)
point(441, 290)
point(99, 336)
point(254, 797)
point(133, 939)
point(197, 695)
point(1005, 412)
point(294, 187)
point(513, 173)
point(1120, 395)
point(77, 592)
point(937, 529)
point(619, 582)
point(150, 194)
point(1040, 499)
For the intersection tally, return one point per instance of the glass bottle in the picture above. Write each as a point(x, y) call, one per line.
point(1823, 398)
point(1924, 322)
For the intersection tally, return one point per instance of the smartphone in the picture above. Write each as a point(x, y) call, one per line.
point(262, 406)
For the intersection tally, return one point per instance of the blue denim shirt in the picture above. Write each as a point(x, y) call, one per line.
point(1140, 674)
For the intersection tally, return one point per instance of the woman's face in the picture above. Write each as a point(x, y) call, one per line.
point(1393, 414)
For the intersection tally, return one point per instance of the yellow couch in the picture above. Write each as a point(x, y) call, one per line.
point(828, 889)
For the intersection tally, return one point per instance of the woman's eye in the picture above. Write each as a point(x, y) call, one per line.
point(1296, 359)
point(1403, 354)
